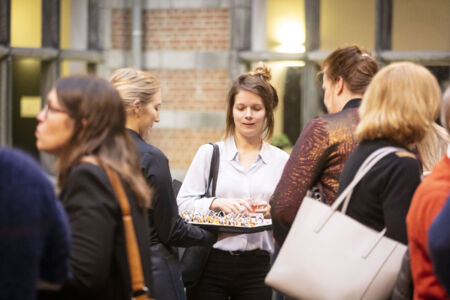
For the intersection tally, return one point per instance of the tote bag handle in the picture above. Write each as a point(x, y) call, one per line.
point(370, 161)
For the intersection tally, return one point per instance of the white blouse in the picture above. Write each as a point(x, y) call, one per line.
point(258, 182)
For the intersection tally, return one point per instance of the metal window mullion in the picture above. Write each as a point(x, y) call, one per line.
point(310, 105)
point(91, 56)
point(51, 23)
point(50, 66)
point(383, 27)
point(240, 34)
point(5, 102)
point(5, 22)
point(94, 37)
point(5, 74)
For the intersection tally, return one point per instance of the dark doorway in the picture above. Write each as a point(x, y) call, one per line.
point(26, 103)
point(292, 103)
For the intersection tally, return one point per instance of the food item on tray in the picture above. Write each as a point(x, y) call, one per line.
point(219, 218)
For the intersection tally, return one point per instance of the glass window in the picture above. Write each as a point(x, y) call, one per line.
point(421, 25)
point(346, 22)
point(27, 103)
point(26, 24)
point(286, 26)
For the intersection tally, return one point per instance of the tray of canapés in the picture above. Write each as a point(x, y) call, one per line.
point(230, 223)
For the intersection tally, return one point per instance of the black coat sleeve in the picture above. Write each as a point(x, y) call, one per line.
point(93, 215)
point(399, 189)
point(164, 217)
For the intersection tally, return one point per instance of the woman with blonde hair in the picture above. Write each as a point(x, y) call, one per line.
point(141, 95)
point(249, 170)
point(83, 125)
point(398, 109)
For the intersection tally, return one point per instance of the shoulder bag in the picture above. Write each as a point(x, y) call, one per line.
point(138, 288)
point(404, 286)
point(194, 258)
point(329, 255)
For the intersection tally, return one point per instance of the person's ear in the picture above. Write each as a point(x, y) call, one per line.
point(136, 107)
point(339, 86)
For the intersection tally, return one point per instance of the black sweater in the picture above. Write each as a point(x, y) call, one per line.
point(382, 197)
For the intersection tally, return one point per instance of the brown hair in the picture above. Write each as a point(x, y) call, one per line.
point(256, 82)
point(355, 65)
point(134, 85)
point(99, 130)
point(400, 104)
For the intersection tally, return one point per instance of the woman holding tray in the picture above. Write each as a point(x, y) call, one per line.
point(249, 170)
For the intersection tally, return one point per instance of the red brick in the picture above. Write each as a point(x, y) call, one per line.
point(199, 90)
point(187, 29)
point(121, 29)
point(180, 145)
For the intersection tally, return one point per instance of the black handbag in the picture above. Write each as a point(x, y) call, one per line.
point(194, 258)
point(404, 286)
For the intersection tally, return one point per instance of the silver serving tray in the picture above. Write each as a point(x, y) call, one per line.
point(266, 225)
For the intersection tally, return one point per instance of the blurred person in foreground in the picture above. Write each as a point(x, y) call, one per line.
point(141, 96)
point(83, 125)
point(34, 231)
point(428, 201)
point(439, 245)
point(319, 155)
point(249, 171)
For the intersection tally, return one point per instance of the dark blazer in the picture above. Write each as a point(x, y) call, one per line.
point(167, 228)
point(316, 161)
point(98, 260)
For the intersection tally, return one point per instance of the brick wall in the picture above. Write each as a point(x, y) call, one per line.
point(121, 29)
point(200, 90)
point(204, 30)
point(180, 145)
point(177, 29)
point(187, 29)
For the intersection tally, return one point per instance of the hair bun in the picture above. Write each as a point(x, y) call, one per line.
point(263, 71)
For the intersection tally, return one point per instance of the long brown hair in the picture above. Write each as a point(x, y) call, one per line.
point(99, 130)
point(256, 82)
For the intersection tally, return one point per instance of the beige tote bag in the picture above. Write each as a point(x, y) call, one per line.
point(328, 255)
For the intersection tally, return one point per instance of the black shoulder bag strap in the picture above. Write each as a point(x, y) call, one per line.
point(212, 179)
point(195, 258)
point(213, 171)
